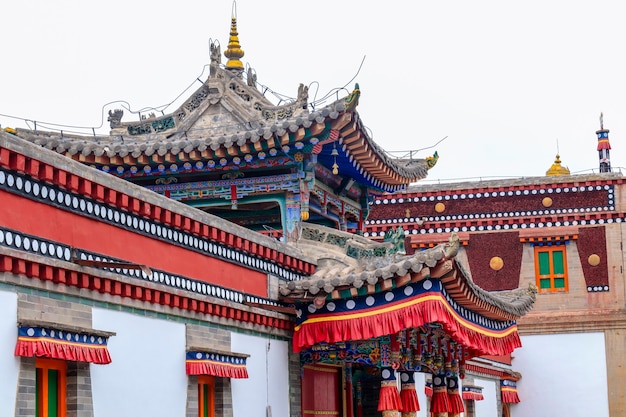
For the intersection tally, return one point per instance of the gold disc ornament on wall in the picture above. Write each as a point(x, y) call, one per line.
point(496, 263)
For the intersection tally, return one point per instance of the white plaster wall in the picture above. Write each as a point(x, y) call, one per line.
point(147, 376)
point(489, 406)
point(562, 375)
point(9, 363)
point(268, 377)
point(420, 383)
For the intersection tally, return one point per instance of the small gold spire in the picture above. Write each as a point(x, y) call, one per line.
point(233, 52)
point(557, 169)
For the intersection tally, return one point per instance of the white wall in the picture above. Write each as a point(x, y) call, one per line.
point(147, 376)
point(420, 383)
point(562, 375)
point(268, 377)
point(489, 406)
point(9, 363)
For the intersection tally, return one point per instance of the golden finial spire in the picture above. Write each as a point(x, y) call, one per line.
point(233, 52)
point(557, 169)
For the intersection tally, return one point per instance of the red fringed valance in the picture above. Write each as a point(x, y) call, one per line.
point(440, 403)
point(509, 391)
point(59, 344)
point(604, 144)
point(408, 396)
point(509, 395)
point(216, 364)
point(469, 393)
point(389, 398)
point(456, 403)
point(390, 319)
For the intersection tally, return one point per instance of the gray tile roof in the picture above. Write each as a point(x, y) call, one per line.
point(337, 270)
point(234, 115)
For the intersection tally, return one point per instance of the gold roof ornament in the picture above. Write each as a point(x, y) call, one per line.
point(557, 169)
point(431, 161)
point(353, 99)
point(233, 52)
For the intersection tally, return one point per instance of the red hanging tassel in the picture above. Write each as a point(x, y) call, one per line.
point(439, 402)
point(408, 395)
point(456, 402)
point(233, 197)
point(389, 398)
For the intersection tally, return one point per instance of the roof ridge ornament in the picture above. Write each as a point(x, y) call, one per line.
point(604, 147)
point(215, 56)
point(557, 169)
point(233, 52)
point(353, 99)
point(431, 161)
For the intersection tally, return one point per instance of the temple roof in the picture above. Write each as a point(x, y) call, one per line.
point(228, 117)
point(351, 265)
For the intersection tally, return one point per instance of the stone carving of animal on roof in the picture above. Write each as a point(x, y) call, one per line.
point(396, 237)
point(115, 118)
point(303, 95)
point(216, 56)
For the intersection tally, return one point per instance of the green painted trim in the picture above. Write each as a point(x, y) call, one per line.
point(279, 198)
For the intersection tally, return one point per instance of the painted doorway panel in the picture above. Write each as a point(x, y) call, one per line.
point(320, 391)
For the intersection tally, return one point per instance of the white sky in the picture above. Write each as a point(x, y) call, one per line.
point(504, 81)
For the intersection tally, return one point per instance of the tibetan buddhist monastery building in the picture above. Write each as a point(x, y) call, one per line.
point(561, 233)
point(370, 316)
point(198, 263)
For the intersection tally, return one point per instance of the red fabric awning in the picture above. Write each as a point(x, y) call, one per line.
point(46, 342)
point(220, 364)
point(509, 391)
point(472, 392)
point(411, 306)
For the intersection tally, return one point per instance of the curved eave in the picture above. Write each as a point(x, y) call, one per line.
point(363, 168)
point(511, 304)
point(361, 155)
point(336, 283)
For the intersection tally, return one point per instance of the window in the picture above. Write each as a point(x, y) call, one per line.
point(206, 396)
point(50, 383)
point(551, 268)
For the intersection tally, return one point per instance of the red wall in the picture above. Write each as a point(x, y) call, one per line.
point(52, 223)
